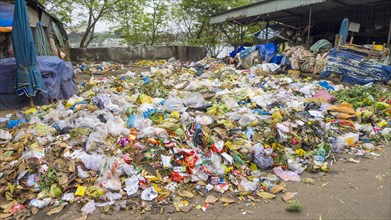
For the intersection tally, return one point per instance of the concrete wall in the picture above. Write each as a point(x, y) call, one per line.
point(126, 54)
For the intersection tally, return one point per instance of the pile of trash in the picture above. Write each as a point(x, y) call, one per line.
point(157, 139)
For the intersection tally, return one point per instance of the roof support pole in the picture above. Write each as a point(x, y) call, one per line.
point(389, 34)
point(267, 32)
point(309, 29)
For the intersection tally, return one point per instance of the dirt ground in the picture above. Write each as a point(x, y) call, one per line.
point(349, 191)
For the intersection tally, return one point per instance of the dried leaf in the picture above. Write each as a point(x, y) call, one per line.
point(71, 166)
point(56, 210)
point(186, 208)
point(266, 195)
point(288, 196)
point(227, 200)
point(63, 180)
point(276, 189)
point(185, 193)
point(7, 207)
point(5, 215)
point(210, 199)
point(34, 210)
point(254, 199)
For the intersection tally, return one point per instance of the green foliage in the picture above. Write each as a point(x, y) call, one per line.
point(48, 179)
point(360, 96)
point(294, 206)
point(150, 22)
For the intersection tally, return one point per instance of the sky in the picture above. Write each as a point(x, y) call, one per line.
point(101, 27)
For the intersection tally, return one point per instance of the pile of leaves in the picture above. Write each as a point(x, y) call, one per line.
point(360, 96)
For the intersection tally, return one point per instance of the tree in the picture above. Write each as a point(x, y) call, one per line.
point(97, 10)
point(193, 19)
point(144, 22)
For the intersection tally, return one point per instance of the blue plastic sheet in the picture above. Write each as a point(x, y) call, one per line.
point(267, 51)
point(276, 59)
point(57, 76)
point(354, 69)
point(244, 54)
point(238, 50)
point(6, 14)
point(14, 123)
point(326, 85)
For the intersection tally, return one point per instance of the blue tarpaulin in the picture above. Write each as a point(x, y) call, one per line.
point(28, 78)
point(267, 51)
point(354, 69)
point(6, 16)
point(238, 50)
point(57, 76)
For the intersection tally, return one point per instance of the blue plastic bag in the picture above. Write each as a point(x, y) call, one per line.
point(13, 123)
point(131, 120)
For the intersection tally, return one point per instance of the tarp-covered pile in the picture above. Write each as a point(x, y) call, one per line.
point(57, 76)
point(355, 69)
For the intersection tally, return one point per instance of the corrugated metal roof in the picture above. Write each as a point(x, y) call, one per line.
point(261, 8)
point(295, 13)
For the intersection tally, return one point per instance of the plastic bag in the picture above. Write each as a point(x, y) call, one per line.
point(174, 104)
point(89, 207)
point(247, 185)
point(204, 120)
point(295, 167)
point(5, 136)
point(132, 185)
point(109, 177)
point(263, 162)
point(81, 173)
point(38, 203)
point(248, 119)
point(194, 100)
point(97, 137)
point(325, 95)
point(92, 161)
point(116, 126)
point(286, 175)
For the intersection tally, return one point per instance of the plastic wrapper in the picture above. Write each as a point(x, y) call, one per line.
point(131, 185)
point(149, 194)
